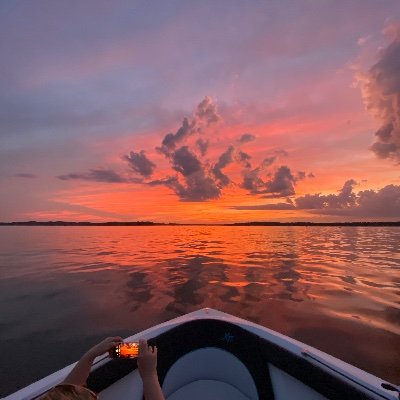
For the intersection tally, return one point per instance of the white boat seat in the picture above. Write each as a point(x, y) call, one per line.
point(209, 373)
point(207, 390)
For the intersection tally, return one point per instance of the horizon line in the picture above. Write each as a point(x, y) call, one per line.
point(150, 223)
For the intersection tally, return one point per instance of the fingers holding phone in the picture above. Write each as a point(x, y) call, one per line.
point(147, 355)
point(147, 361)
point(104, 346)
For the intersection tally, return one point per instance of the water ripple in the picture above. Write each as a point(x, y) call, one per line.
point(312, 283)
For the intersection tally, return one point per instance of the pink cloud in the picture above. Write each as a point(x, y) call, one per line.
point(198, 175)
point(380, 88)
point(382, 203)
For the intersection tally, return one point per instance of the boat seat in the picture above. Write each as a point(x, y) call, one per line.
point(209, 373)
point(212, 350)
point(223, 360)
point(207, 389)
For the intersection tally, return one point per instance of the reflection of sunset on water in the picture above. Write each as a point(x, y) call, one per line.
point(198, 112)
point(312, 283)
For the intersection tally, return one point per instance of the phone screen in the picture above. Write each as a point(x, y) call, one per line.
point(126, 350)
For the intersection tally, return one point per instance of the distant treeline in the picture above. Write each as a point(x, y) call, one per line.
point(148, 223)
point(83, 223)
point(396, 223)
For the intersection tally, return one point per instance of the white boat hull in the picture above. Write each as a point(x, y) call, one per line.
point(208, 354)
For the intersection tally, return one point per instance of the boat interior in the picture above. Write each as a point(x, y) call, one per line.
point(214, 359)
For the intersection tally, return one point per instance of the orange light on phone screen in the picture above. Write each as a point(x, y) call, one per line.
point(129, 350)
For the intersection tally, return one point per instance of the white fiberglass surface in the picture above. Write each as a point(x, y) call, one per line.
point(286, 387)
point(210, 364)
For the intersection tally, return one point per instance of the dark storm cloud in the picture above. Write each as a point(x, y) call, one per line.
point(25, 175)
point(251, 178)
point(383, 203)
point(185, 162)
point(198, 184)
point(277, 206)
point(97, 175)
point(193, 182)
point(300, 175)
point(202, 145)
point(268, 161)
point(381, 94)
point(205, 115)
point(244, 158)
point(225, 159)
point(193, 177)
point(207, 112)
point(164, 181)
point(171, 140)
point(140, 163)
point(252, 182)
point(198, 181)
point(246, 138)
point(344, 199)
point(282, 183)
point(197, 187)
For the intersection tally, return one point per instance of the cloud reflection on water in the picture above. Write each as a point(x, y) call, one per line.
point(334, 288)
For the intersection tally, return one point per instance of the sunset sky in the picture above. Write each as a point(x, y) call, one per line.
point(200, 111)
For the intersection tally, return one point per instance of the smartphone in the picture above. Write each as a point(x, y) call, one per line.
point(125, 350)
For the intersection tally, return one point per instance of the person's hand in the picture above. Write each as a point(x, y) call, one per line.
point(80, 372)
point(147, 360)
point(103, 347)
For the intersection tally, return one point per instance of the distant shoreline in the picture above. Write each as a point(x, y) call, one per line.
point(148, 223)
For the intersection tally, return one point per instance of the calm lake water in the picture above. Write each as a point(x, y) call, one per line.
point(62, 289)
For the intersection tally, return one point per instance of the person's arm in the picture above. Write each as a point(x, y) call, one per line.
point(80, 372)
point(147, 363)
